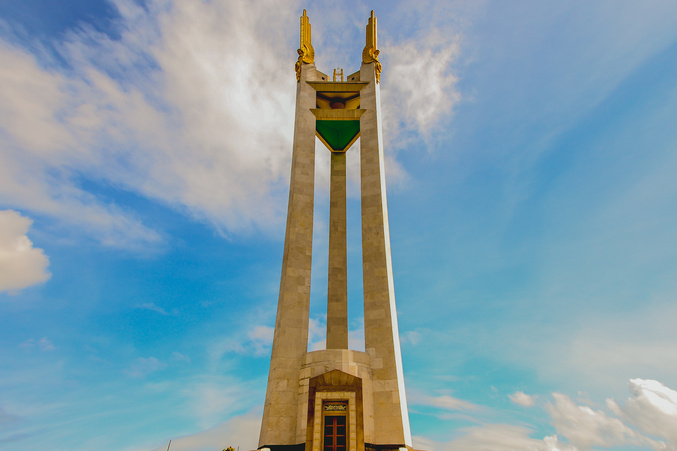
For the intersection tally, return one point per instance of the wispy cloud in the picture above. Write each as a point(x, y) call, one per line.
point(255, 341)
point(411, 337)
point(445, 402)
point(497, 437)
point(178, 357)
point(142, 367)
point(410, 105)
point(43, 344)
point(645, 421)
point(183, 83)
point(188, 107)
point(240, 431)
point(156, 308)
point(7, 418)
point(317, 333)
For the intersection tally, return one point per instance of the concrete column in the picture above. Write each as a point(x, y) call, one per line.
point(337, 282)
point(290, 341)
point(391, 419)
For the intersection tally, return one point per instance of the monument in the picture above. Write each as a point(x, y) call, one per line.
point(336, 399)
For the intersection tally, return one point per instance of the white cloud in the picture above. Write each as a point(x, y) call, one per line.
point(649, 413)
point(263, 334)
point(522, 399)
point(240, 432)
point(142, 367)
point(188, 107)
point(191, 106)
point(585, 427)
point(317, 328)
point(652, 407)
point(21, 264)
point(37, 169)
point(410, 105)
point(261, 338)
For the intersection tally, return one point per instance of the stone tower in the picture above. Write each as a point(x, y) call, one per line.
point(336, 399)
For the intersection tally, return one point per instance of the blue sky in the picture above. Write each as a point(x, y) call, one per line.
point(144, 163)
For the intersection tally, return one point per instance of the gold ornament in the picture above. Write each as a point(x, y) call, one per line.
point(305, 51)
point(370, 53)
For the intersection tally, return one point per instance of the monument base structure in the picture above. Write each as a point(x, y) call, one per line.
point(336, 399)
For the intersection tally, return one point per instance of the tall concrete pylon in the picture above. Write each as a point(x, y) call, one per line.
point(336, 399)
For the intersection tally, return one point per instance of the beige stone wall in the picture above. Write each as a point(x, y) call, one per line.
point(379, 404)
point(337, 280)
point(352, 442)
point(391, 418)
point(290, 341)
point(316, 363)
point(354, 364)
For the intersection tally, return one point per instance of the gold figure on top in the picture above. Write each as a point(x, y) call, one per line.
point(370, 53)
point(305, 51)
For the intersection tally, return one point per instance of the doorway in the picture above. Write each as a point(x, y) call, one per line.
point(335, 433)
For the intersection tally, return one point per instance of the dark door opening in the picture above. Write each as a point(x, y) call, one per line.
point(334, 433)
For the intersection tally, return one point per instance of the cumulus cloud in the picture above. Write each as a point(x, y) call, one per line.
point(585, 427)
point(522, 399)
point(21, 264)
point(652, 408)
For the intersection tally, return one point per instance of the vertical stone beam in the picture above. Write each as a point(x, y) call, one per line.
point(290, 341)
point(382, 343)
point(337, 282)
